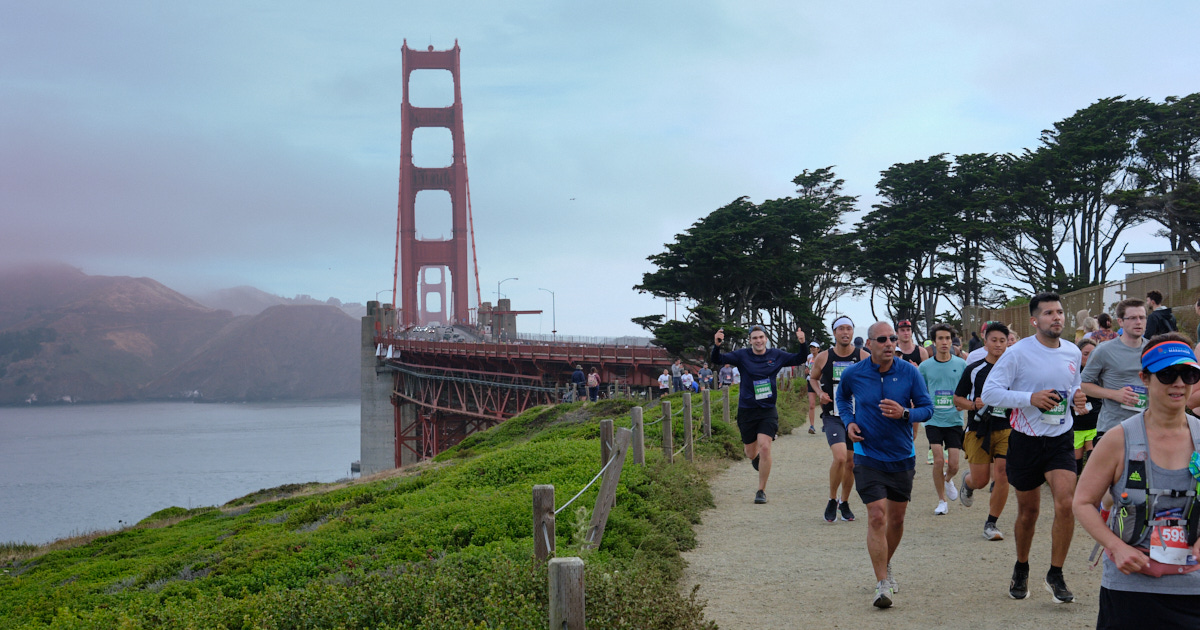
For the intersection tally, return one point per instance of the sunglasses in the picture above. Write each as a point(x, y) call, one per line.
point(1167, 375)
point(892, 338)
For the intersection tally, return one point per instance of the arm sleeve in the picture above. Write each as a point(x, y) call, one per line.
point(844, 400)
point(716, 358)
point(794, 359)
point(922, 404)
point(996, 389)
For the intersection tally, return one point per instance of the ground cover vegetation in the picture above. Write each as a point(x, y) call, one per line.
point(445, 545)
point(1047, 218)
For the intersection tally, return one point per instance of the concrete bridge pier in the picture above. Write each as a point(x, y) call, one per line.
point(377, 415)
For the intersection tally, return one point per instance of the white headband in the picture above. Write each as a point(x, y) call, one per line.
point(842, 321)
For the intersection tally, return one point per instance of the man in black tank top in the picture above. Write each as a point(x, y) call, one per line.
point(910, 351)
point(827, 370)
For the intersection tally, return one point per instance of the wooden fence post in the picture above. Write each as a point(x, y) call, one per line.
point(668, 439)
point(725, 408)
point(688, 436)
point(606, 440)
point(566, 594)
point(607, 497)
point(543, 522)
point(639, 437)
point(707, 407)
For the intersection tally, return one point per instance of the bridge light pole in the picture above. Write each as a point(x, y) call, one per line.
point(498, 289)
point(553, 315)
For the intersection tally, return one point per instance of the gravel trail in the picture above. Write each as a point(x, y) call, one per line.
point(780, 565)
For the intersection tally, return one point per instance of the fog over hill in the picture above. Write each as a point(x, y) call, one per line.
point(66, 336)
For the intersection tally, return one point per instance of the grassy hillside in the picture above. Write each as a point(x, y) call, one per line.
point(446, 544)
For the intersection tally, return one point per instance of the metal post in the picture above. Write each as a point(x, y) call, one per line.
point(543, 522)
point(566, 594)
point(639, 437)
point(668, 439)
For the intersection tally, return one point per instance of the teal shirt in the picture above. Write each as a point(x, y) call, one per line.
point(941, 379)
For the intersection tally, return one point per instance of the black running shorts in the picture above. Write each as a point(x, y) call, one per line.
point(835, 431)
point(1031, 457)
point(874, 484)
point(949, 437)
point(755, 420)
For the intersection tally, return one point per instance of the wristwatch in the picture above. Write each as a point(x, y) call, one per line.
point(904, 415)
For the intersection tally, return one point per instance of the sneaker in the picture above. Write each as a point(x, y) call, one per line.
point(847, 515)
point(754, 462)
point(883, 594)
point(760, 497)
point(967, 494)
point(891, 580)
point(812, 430)
point(930, 457)
point(831, 511)
point(951, 491)
point(941, 508)
point(1018, 588)
point(990, 532)
point(1058, 589)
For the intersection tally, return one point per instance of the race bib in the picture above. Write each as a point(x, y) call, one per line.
point(999, 412)
point(943, 399)
point(762, 389)
point(1140, 390)
point(838, 368)
point(1168, 545)
point(1058, 413)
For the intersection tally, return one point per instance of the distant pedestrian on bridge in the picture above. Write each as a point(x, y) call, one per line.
point(593, 385)
point(757, 417)
point(577, 380)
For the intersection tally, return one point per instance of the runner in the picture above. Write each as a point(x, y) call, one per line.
point(879, 398)
point(1113, 370)
point(757, 418)
point(945, 429)
point(705, 377)
point(664, 383)
point(726, 376)
point(908, 350)
point(827, 371)
point(1084, 427)
point(1148, 581)
point(986, 440)
point(1037, 378)
point(814, 349)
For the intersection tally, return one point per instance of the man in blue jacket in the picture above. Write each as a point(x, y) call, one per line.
point(757, 418)
point(880, 400)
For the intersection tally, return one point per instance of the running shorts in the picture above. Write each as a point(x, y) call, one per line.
point(835, 431)
point(980, 453)
point(874, 484)
point(1031, 457)
point(752, 421)
point(949, 437)
point(1083, 436)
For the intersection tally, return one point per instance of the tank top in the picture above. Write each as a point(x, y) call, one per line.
point(832, 375)
point(914, 357)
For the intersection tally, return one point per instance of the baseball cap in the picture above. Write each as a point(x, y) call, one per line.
point(904, 323)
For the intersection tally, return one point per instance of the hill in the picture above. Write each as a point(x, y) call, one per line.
point(245, 300)
point(71, 337)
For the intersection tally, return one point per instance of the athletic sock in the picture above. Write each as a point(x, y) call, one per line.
point(1079, 466)
point(1054, 571)
point(992, 519)
point(1021, 566)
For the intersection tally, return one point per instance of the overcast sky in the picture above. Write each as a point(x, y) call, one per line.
point(223, 143)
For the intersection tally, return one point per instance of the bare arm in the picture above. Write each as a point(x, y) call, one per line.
point(1098, 476)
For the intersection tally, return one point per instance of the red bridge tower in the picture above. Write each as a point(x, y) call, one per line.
point(422, 265)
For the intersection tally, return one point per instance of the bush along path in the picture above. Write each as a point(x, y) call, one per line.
point(444, 544)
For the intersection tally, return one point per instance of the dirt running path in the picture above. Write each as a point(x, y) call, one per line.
point(780, 565)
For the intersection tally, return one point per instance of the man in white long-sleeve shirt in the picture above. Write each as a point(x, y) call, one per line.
point(1037, 378)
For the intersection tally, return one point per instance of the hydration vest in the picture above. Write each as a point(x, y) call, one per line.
point(1132, 516)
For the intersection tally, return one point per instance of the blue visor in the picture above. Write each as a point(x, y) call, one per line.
point(1166, 354)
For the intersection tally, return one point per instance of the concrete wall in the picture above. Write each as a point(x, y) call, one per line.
point(377, 427)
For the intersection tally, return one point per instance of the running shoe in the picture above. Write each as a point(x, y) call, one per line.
point(966, 495)
point(1058, 589)
point(941, 508)
point(760, 497)
point(883, 594)
point(892, 580)
point(831, 511)
point(951, 491)
point(1018, 588)
point(930, 459)
point(990, 532)
point(812, 430)
point(754, 462)
point(847, 515)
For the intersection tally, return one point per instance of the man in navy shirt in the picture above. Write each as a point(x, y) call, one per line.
point(757, 418)
point(880, 400)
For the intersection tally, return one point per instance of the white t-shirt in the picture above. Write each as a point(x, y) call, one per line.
point(976, 354)
point(1028, 367)
point(664, 381)
point(687, 379)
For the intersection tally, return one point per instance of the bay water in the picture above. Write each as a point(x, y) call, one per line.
point(67, 470)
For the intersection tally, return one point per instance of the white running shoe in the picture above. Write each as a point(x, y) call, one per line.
point(951, 491)
point(941, 508)
point(892, 580)
point(883, 594)
point(990, 532)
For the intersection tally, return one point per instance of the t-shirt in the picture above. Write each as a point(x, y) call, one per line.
point(1028, 367)
point(941, 379)
point(705, 375)
point(726, 375)
point(664, 381)
point(687, 379)
point(970, 386)
point(1113, 365)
